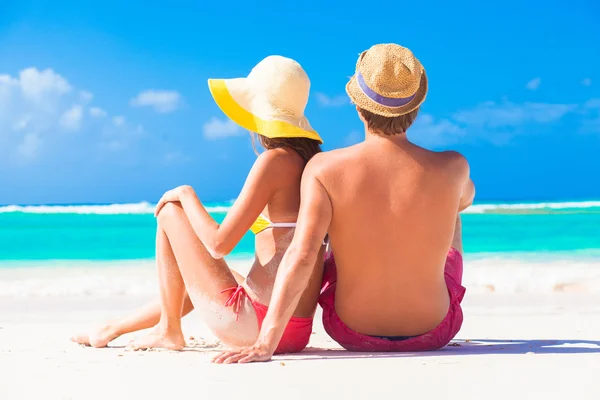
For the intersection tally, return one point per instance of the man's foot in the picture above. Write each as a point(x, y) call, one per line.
point(98, 338)
point(159, 339)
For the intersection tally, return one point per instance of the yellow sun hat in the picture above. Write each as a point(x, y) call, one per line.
point(270, 101)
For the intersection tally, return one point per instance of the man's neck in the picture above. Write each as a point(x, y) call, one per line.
point(398, 139)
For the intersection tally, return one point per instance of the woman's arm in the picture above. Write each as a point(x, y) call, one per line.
point(295, 270)
point(268, 173)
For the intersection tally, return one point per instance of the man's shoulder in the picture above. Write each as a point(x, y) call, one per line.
point(327, 161)
point(451, 155)
point(454, 161)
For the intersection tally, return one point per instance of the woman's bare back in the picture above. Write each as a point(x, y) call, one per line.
point(271, 244)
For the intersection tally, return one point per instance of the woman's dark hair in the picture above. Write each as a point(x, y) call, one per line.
point(305, 147)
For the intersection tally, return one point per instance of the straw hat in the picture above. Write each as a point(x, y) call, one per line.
point(270, 101)
point(389, 81)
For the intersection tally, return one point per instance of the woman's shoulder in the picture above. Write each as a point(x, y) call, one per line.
point(281, 157)
point(279, 165)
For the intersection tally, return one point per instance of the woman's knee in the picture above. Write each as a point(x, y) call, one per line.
point(169, 211)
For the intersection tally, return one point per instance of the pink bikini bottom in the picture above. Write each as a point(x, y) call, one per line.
point(297, 332)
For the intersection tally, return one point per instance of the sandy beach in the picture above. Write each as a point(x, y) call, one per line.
point(522, 346)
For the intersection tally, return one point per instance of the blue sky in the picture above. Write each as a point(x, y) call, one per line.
point(109, 103)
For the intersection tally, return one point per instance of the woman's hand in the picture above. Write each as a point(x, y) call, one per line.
point(172, 196)
point(256, 353)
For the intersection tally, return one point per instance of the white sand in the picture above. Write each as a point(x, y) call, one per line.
point(521, 347)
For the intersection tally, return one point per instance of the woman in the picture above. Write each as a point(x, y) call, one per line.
point(190, 245)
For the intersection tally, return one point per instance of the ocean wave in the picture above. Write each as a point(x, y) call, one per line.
point(56, 278)
point(224, 207)
point(104, 209)
point(135, 278)
point(526, 208)
point(509, 276)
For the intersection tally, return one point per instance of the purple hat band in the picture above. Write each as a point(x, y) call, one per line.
point(379, 99)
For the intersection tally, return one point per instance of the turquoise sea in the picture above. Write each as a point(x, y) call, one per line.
point(532, 236)
point(126, 231)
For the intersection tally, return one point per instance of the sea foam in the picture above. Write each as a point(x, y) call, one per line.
point(104, 209)
point(133, 278)
point(533, 207)
point(224, 207)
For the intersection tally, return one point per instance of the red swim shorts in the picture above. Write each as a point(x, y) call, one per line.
point(435, 339)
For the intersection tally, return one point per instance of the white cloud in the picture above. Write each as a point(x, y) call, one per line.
point(591, 124)
point(85, 96)
point(31, 106)
point(119, 120)
point(429, 131)
point(30, 146)
point(216, 128)
point(495, 122)
point(507, 114)
point(97, 112)
point(586, 82)
point(592, 103)
point(163, 101)
point(176, 157)
point(120, 135)
point(38, 85)
point(7, 86)
point(353, 138)
point(336, 101)
point(37, 106)
point(22, 123)
point(534, 83)
point(7, 79)
point(114, 145)
point(7, 82)
point(71, 119)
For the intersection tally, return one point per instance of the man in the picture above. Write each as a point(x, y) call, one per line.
point(391, 210)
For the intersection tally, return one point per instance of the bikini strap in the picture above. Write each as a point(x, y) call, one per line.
point(235, 299)
point(282, 225)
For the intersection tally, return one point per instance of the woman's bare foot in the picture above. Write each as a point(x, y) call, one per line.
point(98, 338)
point(159, 338)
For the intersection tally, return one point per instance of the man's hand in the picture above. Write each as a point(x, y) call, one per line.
point(172, 196)
point(256, 353)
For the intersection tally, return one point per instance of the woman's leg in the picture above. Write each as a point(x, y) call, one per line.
point(147, 316)
point(205, 278)
point(144, 318)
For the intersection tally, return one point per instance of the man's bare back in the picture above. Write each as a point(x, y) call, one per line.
point(395, 207)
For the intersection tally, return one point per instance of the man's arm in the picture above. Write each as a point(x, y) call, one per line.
point(463, 171)
point(467, 196)
point(295, 269)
